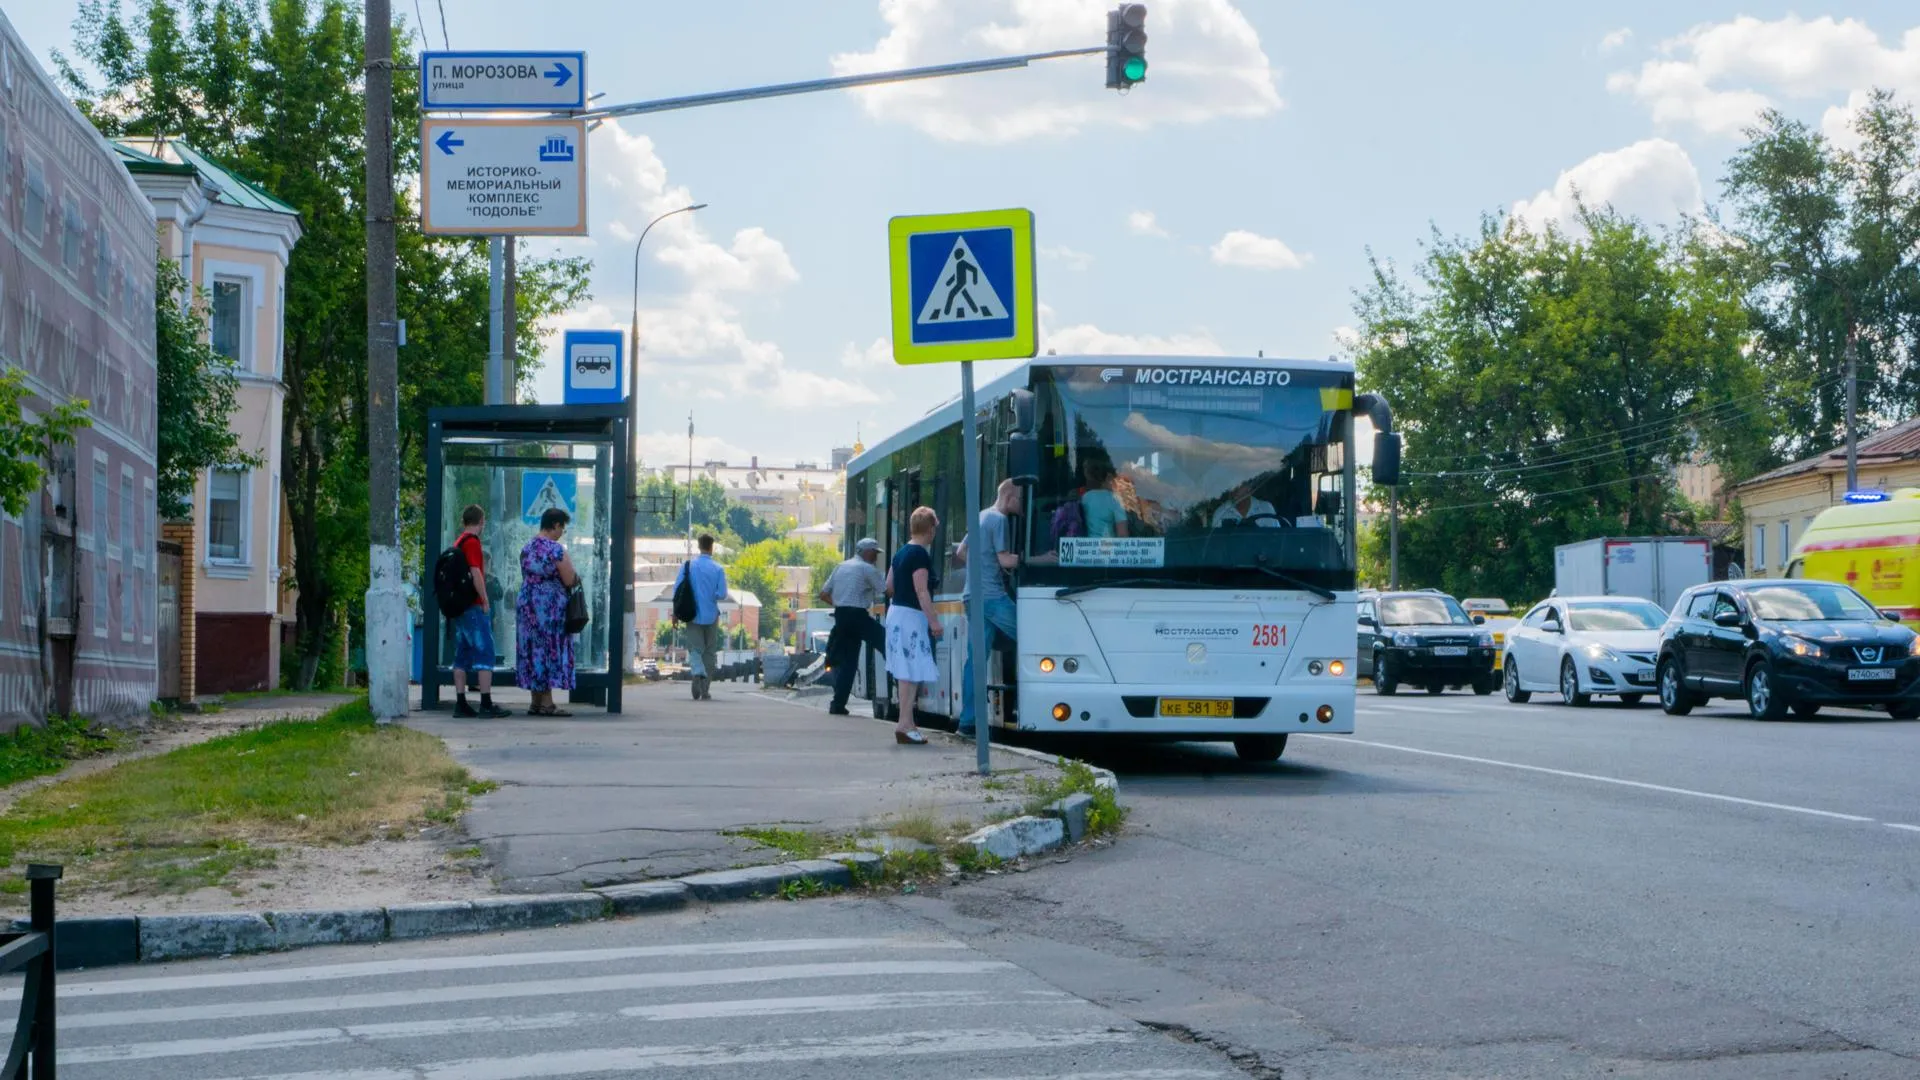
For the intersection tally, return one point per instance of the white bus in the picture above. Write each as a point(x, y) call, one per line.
point(1217, 604)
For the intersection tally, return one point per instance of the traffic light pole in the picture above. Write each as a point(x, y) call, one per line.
point(846, 82)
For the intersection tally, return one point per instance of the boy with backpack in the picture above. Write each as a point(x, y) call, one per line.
point(460, 588)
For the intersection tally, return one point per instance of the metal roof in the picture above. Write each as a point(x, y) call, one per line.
point(164, 155)
point(1900, 442)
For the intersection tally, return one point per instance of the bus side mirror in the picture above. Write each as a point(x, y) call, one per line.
point(1021, 402)
point(1386, 458)
point(1023, 459)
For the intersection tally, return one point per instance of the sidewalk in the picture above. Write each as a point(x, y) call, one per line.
point(598, 799)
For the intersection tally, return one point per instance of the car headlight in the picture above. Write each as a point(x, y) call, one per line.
point(1600, 652)
point(1405, 641)
point(1802, 647)
point(1914, 648)
point(1483, 640)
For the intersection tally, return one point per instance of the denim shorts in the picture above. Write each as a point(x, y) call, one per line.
point(473, 640)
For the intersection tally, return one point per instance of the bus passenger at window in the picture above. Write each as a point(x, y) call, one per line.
point(1101, 508)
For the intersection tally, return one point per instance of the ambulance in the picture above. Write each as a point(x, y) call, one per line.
point(1868, 542)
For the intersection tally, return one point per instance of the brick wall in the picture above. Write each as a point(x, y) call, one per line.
point(182, 533)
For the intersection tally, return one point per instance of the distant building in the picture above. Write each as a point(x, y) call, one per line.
point(79, 576)
point(1779, 505)
point(1699, 479)
point(655, 603)
point(809, 493)
point(232, 241)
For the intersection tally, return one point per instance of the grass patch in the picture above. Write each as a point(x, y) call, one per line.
point(32, 750)
point(462, 854)
point(796, 843)
point(1077, 778)
point(194, 817)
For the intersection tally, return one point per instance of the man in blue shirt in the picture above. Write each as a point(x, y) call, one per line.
point(703, 634)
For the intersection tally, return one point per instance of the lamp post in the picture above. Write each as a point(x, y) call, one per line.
point(633, 423)
point(1852, 359)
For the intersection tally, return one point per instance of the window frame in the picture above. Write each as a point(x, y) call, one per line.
point(242, 342)
point(149, 542)
point(101, 595)
point(1760, 546)
point(32, 169)
point(242, 560)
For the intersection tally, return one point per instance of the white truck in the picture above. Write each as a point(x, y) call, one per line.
point(1656, 568)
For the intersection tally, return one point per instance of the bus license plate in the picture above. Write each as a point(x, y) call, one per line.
point(1180, 706)
point(1869, 674)
point(1449, 650)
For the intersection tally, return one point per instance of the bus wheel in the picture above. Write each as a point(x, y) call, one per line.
point(1260, 747)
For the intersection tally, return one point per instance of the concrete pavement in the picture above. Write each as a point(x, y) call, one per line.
point(1467, 888)
point(597, 799)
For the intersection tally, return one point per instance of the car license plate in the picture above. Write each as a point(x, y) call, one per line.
point(1449, 650)
point(1180, 706)
point(1869, 674)
point(1643, 675)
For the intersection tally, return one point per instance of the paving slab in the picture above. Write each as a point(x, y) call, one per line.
point(597, 799)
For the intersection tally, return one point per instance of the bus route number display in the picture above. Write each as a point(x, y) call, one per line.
point(1131, 552)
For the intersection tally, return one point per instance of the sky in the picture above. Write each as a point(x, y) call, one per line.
point(1229, 204)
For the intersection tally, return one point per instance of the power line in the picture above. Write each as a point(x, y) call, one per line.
point(444, 42)
point(1532, 497)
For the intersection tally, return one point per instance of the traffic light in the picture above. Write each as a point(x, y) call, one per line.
point(1126, 46)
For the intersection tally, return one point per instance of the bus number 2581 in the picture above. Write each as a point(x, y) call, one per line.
point(1269, 636)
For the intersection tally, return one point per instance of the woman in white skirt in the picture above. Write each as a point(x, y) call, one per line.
point(912, 624)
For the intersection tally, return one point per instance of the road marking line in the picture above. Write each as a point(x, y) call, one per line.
point(287, 1040)
point(1896, 825)
point(793, 1006)
point(423, 965)
point(1642, 785)
point(653, 980)
point(787, 1052)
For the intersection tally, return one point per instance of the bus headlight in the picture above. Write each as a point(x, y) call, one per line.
point(1339, 667)
point(1315, 667)
point(1070, 665)
point(1061, 712)
point(1046, 665)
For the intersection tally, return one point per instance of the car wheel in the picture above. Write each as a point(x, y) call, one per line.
point(1805, 709)
point(1764, 700)
point(1384, 682)
point(1904, 710)
point(1631, 699)
point(1514, 693)
point(1435, 688)
point(1570, 685)
point(1260, 747)
point(1674, 696)
point(1484, 685)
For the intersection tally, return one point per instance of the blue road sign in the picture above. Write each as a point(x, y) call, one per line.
point(544, 490)
point(503, 80)
point(963, 286)
point(596, 366)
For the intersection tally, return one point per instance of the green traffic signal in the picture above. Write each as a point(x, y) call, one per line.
point(1126, 46)
point(1135, 68)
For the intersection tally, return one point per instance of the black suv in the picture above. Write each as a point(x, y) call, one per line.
point(1786, 645)
point(1423, 639)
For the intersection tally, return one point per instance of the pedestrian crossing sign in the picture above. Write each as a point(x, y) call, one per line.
point(963, 287)
point(541, 491)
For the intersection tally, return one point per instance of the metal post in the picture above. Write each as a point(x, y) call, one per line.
point(1853, 389)
point(40, 879)
point(509, 324)
point(976, 575)
point(756, 630)
point(386, 597)
point(1393, 537)
point(496, 320)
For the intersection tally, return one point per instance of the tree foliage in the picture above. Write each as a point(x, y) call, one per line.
point(197, 390)
point(24, 444)
point(273, 90)
point(1547, 383)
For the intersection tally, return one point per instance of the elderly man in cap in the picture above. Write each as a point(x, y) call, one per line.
point(852, 590)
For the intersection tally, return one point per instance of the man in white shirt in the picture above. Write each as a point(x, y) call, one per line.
point(1244, 505)
point(852, 590)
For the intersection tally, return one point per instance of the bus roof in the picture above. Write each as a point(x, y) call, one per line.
point(948, 411)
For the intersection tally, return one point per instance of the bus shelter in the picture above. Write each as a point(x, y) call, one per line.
point(518, 461)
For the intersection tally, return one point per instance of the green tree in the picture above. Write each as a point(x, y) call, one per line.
point(1547, 383)
point(197, 392)
point(24, 444)
point(1826, 235)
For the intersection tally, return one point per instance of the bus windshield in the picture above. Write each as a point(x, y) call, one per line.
point(1205, 468)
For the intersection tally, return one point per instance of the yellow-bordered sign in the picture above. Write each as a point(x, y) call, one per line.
point(963, 287)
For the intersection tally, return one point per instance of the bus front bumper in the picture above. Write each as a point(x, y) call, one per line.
point(1214, 711)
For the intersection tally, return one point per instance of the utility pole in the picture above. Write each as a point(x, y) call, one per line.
point(387, 629)
point(1393, 537)
point(509, 325)
point(496, 320)
point(1853, 391)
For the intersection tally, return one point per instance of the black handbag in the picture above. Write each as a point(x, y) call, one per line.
point(577, 618)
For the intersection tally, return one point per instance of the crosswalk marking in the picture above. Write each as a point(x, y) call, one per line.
point(652, 980)
point(70, 989)
point(795, 1006)
point(286, 1040)
point(787, 1052)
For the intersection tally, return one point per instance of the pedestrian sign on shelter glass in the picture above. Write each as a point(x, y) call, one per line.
point(963, 287)
point(541, 491)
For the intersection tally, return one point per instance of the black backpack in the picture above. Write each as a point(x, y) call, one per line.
point(685, 607)
point(453, 582)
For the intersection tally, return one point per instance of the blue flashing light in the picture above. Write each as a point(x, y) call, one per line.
point(1867, 496)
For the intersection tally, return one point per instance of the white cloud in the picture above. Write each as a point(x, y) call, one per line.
point(1090, 339)
point(662, 448)
point(1206, 63)
point(1071, 259)
point(1717, 77)
point(1144, 223)
point(1616, 38)
point(877, 356)
point(1653, 179)
point(1255, 252)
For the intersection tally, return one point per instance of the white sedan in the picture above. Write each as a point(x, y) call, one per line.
point(1579, 646)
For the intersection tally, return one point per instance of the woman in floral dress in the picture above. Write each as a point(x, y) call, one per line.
point(545, 653)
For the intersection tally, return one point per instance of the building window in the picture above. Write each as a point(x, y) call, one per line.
point(33, 208)
point(1759, 547)
point(227, 516)
point(30, 564)
point(129, 551)
point(102, 531)
point(273, 529)
point(230, 319)
point(150, 614)
point(73, 235)
point(1786, 541)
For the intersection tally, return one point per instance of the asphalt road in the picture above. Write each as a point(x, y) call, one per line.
point(1470, 888)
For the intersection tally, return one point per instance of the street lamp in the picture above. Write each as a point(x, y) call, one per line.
point(633, 418)
point(1853, 380)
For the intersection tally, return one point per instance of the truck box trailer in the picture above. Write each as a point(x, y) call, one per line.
point(1656, 568)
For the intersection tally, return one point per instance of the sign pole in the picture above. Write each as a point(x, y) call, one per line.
point(976, 572)
point(496, 320)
